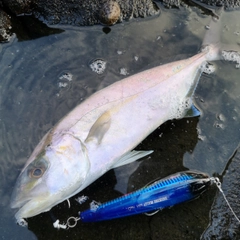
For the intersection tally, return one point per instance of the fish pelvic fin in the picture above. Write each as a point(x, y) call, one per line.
point(131, 157)
point(192, 112)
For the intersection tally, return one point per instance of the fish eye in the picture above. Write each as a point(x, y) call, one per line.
point(36, 172)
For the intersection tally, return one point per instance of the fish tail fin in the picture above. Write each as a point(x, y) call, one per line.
point(212, 42)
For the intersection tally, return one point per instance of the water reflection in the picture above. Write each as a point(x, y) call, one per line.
point(31, 102)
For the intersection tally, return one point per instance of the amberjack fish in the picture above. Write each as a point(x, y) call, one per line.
point(101, 132)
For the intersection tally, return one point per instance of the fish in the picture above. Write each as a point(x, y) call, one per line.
point(101, 132)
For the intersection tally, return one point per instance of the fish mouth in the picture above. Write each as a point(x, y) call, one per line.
point(28, 205)
point(29, 208)
point(18, 203)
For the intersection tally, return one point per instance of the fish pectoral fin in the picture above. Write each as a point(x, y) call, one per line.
point(192, 112)
point(131, 157)
point(99, 128)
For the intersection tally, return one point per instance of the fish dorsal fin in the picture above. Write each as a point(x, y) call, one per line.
point(192, 112)
point(99, 128)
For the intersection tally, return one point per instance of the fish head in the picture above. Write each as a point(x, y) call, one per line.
point(52, 176)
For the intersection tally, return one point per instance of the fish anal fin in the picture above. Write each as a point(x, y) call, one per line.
point(99, 128)
point(131, 157)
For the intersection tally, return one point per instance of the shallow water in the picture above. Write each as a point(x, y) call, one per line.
point(44, 78)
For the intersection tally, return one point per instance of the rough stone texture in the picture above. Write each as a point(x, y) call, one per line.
point(171, 3)
point(228, 4)
point(86, 12)
point(5, 26)
point(17, 6)
point(71, 12)
point(223, 224)
point(110, 13)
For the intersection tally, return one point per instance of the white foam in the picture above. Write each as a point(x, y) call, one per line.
point(208, 68)
point(82, 199)
point(62, 84)
point(232, 56)
point(66, 76)
point(98, 66)
point(123, 71)
point(94, 205)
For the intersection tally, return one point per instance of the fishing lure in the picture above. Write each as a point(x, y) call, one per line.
point(167, 192)
point(164, 193)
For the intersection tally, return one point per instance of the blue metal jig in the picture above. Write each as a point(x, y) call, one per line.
point(164, 193)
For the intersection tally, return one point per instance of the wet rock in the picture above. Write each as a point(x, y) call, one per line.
point(171, 3)
point(5, 26)
point(227, 4)
point(17, 6)
point(223, 224)
point(89, 12)
point(110, 13)
point(83, 12)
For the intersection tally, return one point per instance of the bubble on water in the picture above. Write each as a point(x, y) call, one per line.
point(136, 58)
point(207, 27)
point(119, 52)
point(123, 71)
point(82, 199)
point(221, 117)
point(94, 205)
point(219, 125)
point(232, 56)
point(237, 33)
point(66, 76)
point(98, 66)
point(208, 68)
point(62, 84)
point(201, 137)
